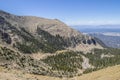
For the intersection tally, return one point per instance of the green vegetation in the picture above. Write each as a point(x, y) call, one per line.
point(99, 62)
point(66, 61)
point(46, 43)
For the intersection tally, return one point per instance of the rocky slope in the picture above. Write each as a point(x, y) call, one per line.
point(30, 34)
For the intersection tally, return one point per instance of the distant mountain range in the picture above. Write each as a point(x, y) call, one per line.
point(98, 28)
point(110, 40)
point(108, 34)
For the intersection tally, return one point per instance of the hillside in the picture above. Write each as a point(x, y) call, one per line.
point(61, 64)
point(39, 46)
point(30, 34)
point(10, 59)
point(110, 73)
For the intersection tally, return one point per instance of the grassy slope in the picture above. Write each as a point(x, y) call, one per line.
point(110, 73)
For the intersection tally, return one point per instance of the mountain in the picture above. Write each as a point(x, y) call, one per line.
point(107, 35)
point(97, 28)
point(39, 46)
point(24, 39)
point(29, 34)
point(109, 39)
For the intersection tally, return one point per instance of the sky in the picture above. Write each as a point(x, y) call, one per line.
point(72, 12)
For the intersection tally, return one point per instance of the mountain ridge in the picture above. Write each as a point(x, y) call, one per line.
point(33, 22)
point(43, 31)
